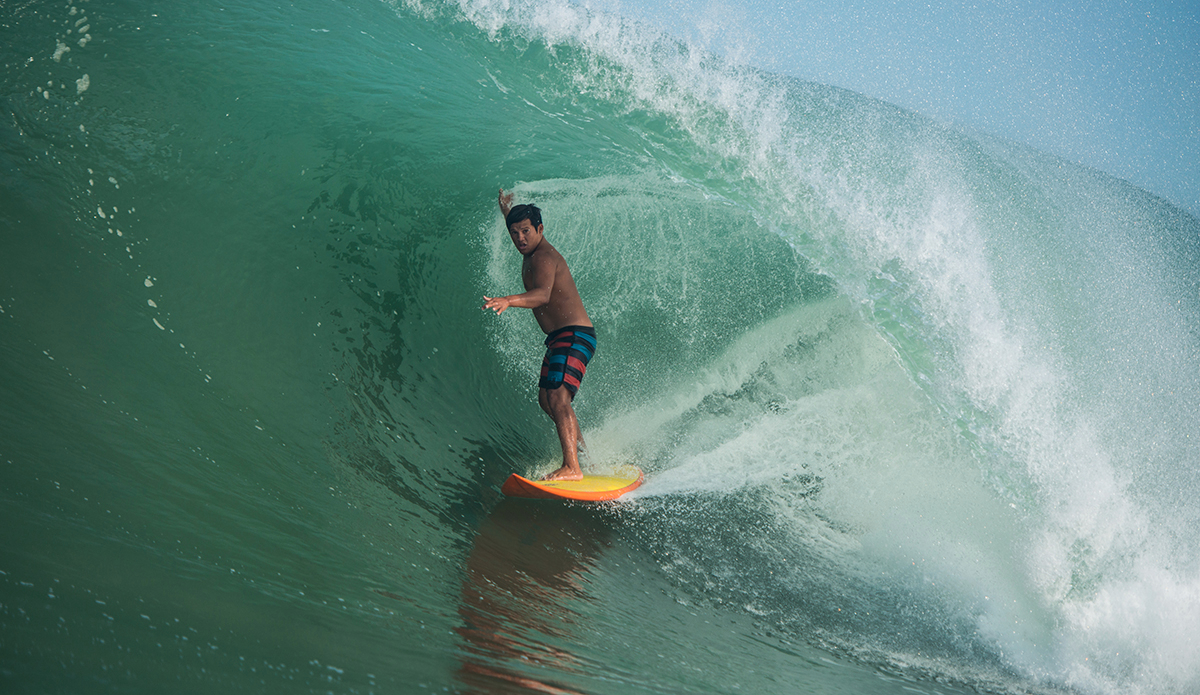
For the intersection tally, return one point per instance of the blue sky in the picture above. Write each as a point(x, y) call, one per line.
point(1114, 85)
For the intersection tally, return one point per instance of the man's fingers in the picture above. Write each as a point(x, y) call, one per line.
point(495, 304)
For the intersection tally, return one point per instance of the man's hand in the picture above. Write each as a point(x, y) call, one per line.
point(505, 201)
point(498, 304)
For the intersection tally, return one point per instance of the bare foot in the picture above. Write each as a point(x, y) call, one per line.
point(564, 473)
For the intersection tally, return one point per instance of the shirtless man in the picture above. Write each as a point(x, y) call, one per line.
point(570, 337)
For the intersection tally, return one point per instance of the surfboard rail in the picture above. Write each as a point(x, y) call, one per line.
point(593, 488)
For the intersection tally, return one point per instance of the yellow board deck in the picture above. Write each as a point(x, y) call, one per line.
point(593, 488)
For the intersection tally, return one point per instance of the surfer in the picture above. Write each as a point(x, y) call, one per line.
point(570, 337)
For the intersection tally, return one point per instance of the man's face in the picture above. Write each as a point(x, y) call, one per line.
point(525, 236)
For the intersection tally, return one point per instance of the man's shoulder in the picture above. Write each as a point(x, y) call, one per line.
point(546, 253)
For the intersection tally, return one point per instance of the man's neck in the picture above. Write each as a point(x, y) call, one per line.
point(535, 248)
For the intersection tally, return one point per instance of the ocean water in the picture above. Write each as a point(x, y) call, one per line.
point(917, 407)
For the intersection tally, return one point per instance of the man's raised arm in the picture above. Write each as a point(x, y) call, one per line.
point(505, 201)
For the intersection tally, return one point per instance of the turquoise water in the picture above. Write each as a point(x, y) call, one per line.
point(916, 407)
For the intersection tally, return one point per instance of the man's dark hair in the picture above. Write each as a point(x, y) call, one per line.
point(524, 212)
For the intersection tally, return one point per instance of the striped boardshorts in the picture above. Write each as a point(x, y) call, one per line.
point(568, 351)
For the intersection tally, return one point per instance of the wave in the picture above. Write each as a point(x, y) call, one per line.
point(909, 398)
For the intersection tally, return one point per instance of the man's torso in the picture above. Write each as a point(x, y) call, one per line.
point(565, 307)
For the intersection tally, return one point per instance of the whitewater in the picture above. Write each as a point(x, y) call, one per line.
point(916, 405)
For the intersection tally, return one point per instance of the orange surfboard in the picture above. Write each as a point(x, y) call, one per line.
point(593, 488)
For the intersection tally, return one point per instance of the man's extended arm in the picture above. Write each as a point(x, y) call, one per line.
point(539, 296)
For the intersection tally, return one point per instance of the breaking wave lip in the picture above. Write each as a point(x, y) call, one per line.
point(914, 223)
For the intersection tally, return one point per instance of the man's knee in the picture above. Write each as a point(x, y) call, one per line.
point(558, 401)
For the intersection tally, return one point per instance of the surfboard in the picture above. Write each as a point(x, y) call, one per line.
point(593, 488)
